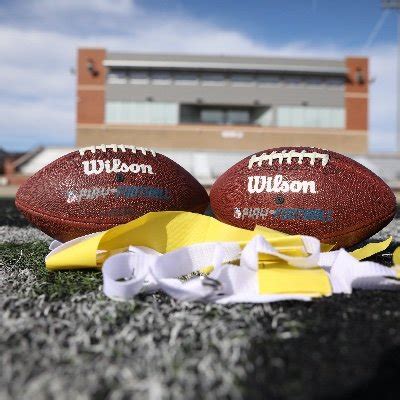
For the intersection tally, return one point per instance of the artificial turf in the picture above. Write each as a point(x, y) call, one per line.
point(61, 338)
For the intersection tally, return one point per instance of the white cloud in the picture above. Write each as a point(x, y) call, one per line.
point(119, 7)
point(37, 93)
point(35, 123)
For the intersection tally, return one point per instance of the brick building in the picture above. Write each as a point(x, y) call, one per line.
point(221, 103)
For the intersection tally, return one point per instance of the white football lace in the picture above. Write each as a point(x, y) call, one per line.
point(288, 155)
point(115, 148)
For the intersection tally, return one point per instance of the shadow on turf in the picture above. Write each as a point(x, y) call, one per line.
point(383, 384)
point(10, 216)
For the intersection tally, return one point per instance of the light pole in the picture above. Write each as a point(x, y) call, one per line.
point(395, 5)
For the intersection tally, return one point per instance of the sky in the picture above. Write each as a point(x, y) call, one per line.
point(39, 41)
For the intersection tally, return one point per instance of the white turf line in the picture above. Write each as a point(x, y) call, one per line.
point(12, 234)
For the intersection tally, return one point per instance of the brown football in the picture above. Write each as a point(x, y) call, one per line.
point(98, 187)
point(303, 190)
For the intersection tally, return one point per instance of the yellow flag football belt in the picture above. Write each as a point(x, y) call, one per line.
point(157, 250)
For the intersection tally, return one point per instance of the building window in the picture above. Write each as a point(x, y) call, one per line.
point(213, 79)
point(127, 112)
point(186, 78)
point(293, 80)
point(209, 116)
point(268, 80)
point(139, 77)
point(335, 82)
point(242, 79)
point(313, 117)
point(314, 80)
point(117, 76)
point(221, 116)
point(263, 116)
point(161, 77)
point(239, 117)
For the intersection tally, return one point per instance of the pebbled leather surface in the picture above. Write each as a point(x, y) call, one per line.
point(358, 201)
point(66, 203)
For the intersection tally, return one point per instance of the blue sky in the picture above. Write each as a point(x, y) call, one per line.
point(39, 38)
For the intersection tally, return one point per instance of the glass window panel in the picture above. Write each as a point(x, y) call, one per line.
point(337, 118)
point(268, 80)
point(141, 112)
point(334, 81)
point(212, 116)
point(312, 117)
point(314, 80)
point(296, 116)
point(242, 79)
point(111, 110)
point(264, 117)
point(139, 77)
point(317, 117)
point(161, 77)
point(211, 78)
point(186, 78)
point(293, 80)
point(282, 116)
point(323, 117)
point(124, 111)
point(237, 117)
point(117, 76)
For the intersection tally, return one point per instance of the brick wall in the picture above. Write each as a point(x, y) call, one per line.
point(356, 94)
point(90, 86)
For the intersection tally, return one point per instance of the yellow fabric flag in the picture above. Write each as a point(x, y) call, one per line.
point(170, 230)
point(371, 248)
point(280, 278)
point(162, 231)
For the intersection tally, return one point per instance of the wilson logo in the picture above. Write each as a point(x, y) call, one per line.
point(95, 167)
point(277, 184)
point(128, 192)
